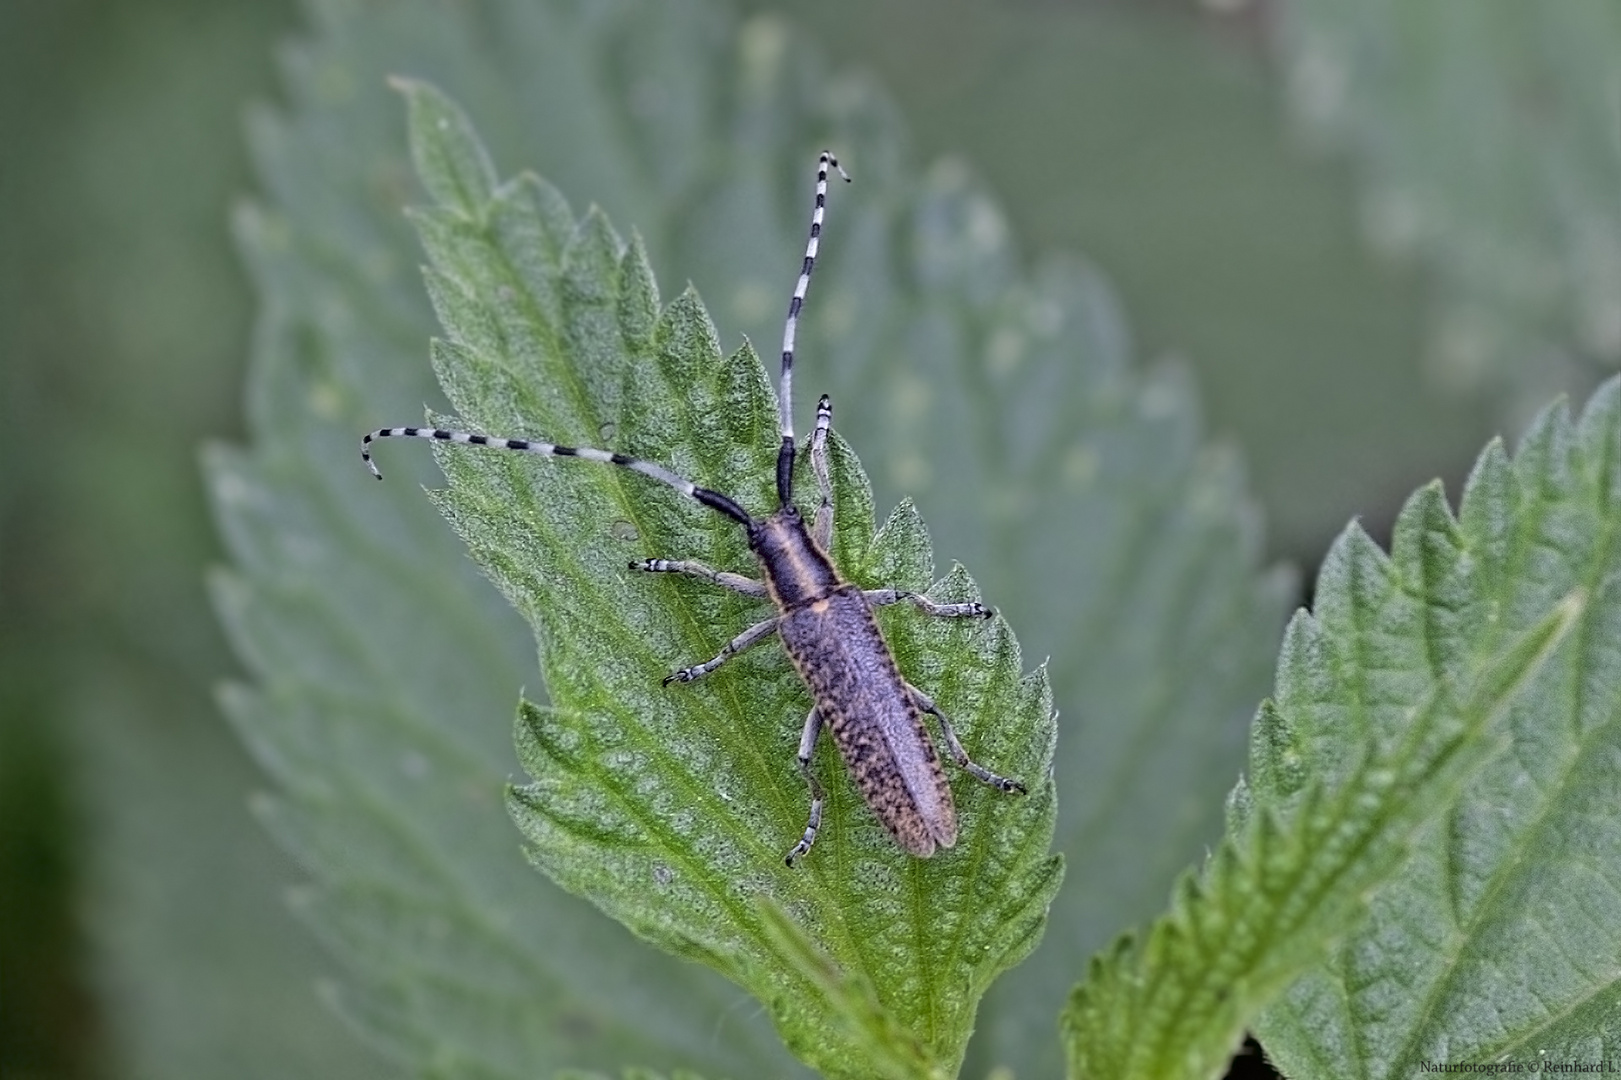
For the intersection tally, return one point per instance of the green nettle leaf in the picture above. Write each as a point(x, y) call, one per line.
point(671, 808)
point(1004, 400)
point(1498, 940)
point(1451, 712)
point(1486, 136)
point(888, 1048)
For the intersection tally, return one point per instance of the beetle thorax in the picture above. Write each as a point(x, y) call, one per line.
point(797, 572)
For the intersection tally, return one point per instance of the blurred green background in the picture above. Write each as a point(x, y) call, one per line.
point(135, 890)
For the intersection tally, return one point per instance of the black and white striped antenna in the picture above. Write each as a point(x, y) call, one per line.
point(785, 395)
point(712, 499)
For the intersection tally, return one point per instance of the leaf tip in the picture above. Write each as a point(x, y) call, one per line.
point(449, 157)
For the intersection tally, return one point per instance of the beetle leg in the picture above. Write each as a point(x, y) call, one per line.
point(725, 579)
point(822, 524)
point(958, 754)
point(883, 597)
point(807, 746)
point(752, 636)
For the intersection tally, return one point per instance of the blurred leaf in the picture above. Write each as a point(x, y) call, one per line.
point(1413, 673)
point(122, 126)
point(671, 808)
point(1489, 138)
point(1077, 489)
point(1497, 941)
point(39, 949)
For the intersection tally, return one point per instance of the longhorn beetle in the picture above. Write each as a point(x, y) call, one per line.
point(826, 623)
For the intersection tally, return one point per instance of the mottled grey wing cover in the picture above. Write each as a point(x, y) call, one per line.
point(841, 654)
